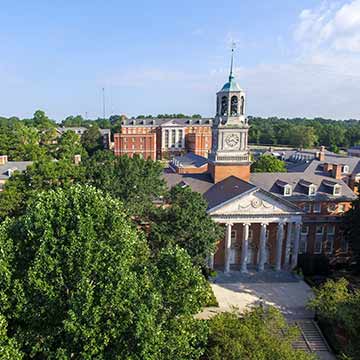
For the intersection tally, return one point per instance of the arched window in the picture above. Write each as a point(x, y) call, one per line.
point(242, 105)
point(234, 106)
point(224, 105)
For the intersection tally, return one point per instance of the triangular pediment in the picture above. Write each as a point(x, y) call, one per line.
point(255, 202)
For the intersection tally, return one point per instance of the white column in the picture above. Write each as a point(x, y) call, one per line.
point(183, 139)
point(244, 248)
point(295, 250)
point(288, 243)
point(176, 137)
point(262, 247)
point(227, 247)
point(279, 244)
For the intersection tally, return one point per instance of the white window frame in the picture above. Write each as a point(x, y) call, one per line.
point(346, 169)
point(287, 190)
point(319, 236)
point(341, 208)
point(317, 207)
point(304, 239)
point(337, 190)
point(330, 237)
point(312, 190)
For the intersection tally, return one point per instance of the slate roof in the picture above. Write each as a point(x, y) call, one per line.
point(155, 122)
point(13, 166)
point(189, 160)
point(268, 181)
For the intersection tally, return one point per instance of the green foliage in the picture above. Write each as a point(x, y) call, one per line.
point(185, 222)
point(135, 181)
point(70, 145)
point(9, 349)
point(87, 287)
point(91, 140)
point(352, 229)
point(256, 334)
point(338, 306)
point(301, 132)
point(328, 298)
point(41, 175)
point(268, 163)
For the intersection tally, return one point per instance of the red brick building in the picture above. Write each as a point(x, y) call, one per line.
point(269, 218)
point(165, 137)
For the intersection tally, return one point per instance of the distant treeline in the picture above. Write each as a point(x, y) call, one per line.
point(297, 132)
point(302, 132)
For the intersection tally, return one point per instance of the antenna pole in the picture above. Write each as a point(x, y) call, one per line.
point(233, 45)
point(103, 101)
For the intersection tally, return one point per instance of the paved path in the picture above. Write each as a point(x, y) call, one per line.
point(283, 290)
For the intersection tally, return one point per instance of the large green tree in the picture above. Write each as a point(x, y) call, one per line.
point(91, 140)
point(352, 229)
point(185, 222)
point(256, 334)
point(339, 308)
point(41, 175)
point(135, 181)
point(70, 145)
point(80, 283)
point(268, 163)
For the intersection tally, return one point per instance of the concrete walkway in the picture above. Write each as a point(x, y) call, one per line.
point(280, 289)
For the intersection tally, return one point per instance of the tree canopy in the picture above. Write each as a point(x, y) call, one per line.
point(339, 307)
point(80, 283)
point(135, 181)
point(184, 222)
point(256, 334)
point(268, 163)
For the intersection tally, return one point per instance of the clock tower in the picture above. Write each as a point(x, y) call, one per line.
point(230, 153)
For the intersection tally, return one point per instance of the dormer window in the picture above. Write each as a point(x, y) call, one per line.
point(345, 169)
point(334, 188)
point(285, 187)
point(309, 187)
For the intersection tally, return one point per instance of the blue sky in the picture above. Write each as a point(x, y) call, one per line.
point(293, 58)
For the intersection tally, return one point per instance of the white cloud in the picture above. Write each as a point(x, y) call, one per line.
point(332, 25)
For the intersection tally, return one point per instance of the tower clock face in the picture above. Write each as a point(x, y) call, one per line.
point(232, 140)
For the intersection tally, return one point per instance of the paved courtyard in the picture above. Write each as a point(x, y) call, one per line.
point(281, 289)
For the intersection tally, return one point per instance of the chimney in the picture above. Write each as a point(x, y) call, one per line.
point(77, 159)
point(3, 159)
point(320, 155)
point(336, 171)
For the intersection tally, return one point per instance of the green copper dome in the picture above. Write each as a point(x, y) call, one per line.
point(231, 85)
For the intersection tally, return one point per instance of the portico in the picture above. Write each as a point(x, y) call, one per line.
point(260, 230)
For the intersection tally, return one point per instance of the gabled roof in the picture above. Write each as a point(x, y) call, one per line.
point(13, 166)
point(268, 181)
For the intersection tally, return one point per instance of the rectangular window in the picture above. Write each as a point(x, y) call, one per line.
point(173, 137)
point(307, 207)
point(330, 236)
point(303, 239)
point(344, 245)
point(341, 208)
point(319, 239)
point(317, 207)
point(166, 139)
point(180, 138)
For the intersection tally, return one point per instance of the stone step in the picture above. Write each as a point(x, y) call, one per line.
point(311, 339)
